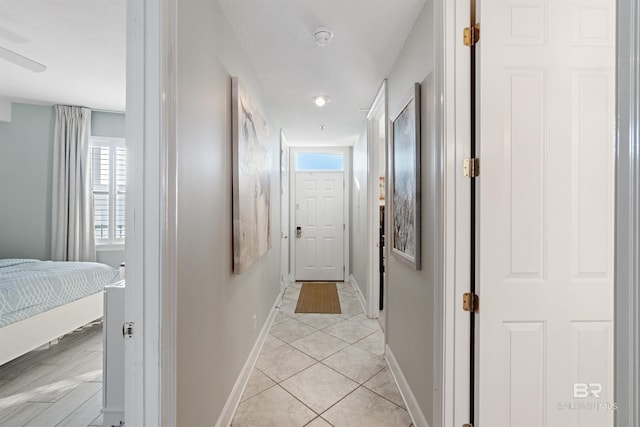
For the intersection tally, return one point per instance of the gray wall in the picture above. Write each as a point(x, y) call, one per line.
point(108, 124)
point(26, 150)
point(359, 214)
point(215, 309)
point(110, 257)
point(410, 293)
point(26, 156)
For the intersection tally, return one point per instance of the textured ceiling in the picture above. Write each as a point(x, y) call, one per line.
point(83, 45)
point(81, 42)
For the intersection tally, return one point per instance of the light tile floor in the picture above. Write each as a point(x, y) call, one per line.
point(57, 386)
point(321, 370)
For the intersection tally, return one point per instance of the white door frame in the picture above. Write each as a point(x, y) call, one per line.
point(379, 109)
point(627, 268)
point(451, 367)
point(285, 266)
point(150, 374)
point(292, 206)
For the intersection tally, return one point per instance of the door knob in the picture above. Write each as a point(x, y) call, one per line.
point(298, 232)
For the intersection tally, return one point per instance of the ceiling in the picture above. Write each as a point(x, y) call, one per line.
point(277, 39)
point(83, 42)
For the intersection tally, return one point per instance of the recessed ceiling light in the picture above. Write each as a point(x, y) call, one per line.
point(322, 36)
point(320, 100)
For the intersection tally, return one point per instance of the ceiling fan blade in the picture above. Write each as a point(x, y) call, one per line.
point(22, 61)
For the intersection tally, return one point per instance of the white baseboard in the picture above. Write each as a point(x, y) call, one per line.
point(356, 289)
point(229, 410)
point(407, 395)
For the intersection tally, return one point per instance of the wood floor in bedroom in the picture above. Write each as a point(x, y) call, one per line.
point(58, 386)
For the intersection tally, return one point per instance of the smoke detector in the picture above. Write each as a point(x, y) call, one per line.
point(322, 36)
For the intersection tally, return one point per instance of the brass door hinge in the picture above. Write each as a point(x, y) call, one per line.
point(472, 167)
point(470, 302)
point(472, 35)
point(467, 425)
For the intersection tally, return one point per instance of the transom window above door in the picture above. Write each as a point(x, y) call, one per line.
point(319, 161)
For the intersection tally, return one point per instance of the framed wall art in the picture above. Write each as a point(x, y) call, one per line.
point(251, 180)
point(405, 185)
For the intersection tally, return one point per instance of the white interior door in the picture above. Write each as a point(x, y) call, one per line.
point(546, 185)
point(319, 222)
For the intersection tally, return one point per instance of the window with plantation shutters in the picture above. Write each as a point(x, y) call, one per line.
point(108, 180)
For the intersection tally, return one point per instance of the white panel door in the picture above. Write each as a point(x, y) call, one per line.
point(320, 219)
point(547, 79)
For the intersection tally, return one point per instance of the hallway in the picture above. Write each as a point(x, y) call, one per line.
point(322, 370)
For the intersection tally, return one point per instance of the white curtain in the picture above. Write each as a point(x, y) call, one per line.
point(72, 236)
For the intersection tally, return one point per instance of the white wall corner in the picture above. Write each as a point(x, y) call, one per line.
point(230, 407)
point(5, 110)
point(356, 289)
point(410, 401)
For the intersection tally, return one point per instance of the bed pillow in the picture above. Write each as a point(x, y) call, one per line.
point(15, 261)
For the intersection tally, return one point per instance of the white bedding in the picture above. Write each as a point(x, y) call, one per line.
point(29, 287)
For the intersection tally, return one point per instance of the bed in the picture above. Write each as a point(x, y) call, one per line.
point(42, 300)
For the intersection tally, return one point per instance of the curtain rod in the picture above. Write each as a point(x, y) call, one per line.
point(99, 110)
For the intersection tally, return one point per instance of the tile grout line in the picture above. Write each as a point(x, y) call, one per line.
point(340, 318)
point(385, 398)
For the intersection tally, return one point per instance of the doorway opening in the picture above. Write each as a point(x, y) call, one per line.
point(319, 212)
point(376, 147)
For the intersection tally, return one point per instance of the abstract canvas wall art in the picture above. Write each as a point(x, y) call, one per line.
point(405, 173)
point(251, 180)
